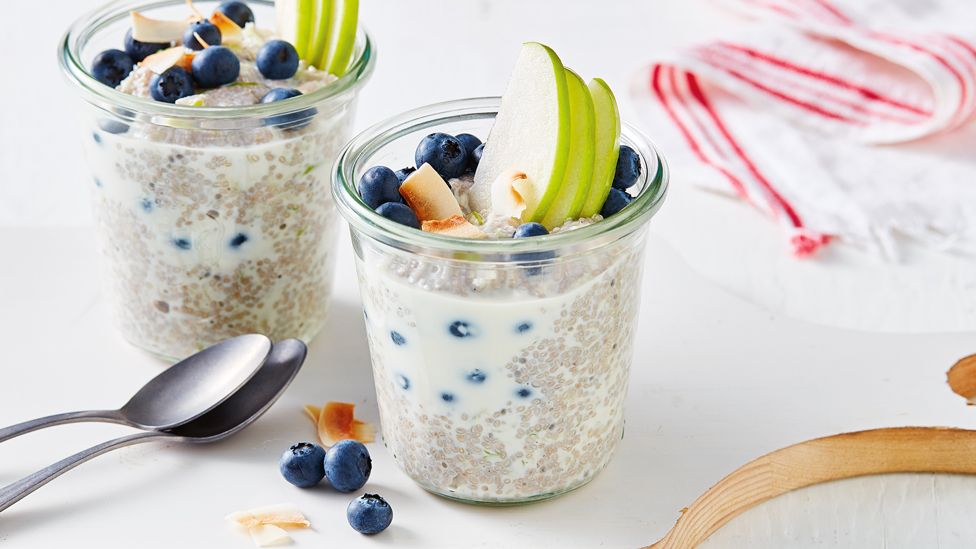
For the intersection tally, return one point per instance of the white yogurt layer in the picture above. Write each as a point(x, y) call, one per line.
point(502, 385)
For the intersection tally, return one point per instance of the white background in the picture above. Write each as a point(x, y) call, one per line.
point(720, 378)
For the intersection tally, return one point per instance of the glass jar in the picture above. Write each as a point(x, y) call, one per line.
point(212, 221)
point(501, 366)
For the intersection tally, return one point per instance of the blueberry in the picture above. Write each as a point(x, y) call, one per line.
point(404, 173)
point(108, 125)
point(476, 376)
point(147, 205)
point(289, 121)
point(369, 514)
point(277, 60)
point(628, 168)
point(444, 153)
point(347, 465)
point(460, 328)
point(98, 138)
point(470, 143)
point(141, 50)
point(526, 230)
point(236, 242)
point(182, 243)
point(111, 67)
point(403, 381)
point(378, 186)
point(215, 66)
point(237, 12)
point(616, 201)
point(523, 327)
point(208, 32)
point(401, 213)
point(397, 338)
point(175, 83)
point(447, 397)
point(474, 159)
point(524, 393)
point(98, 182)
point(303, 464)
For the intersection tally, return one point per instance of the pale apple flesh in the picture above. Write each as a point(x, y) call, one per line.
point(531, 133)
point(607, 146)
point(320, 38)
point(579, 168)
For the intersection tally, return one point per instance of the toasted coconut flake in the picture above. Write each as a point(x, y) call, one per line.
point(201, 40)
point(162, 60)
point(962, 378)
point(159, 31)
point(284, 514)
point(268, 534)
point(186, 62)
point(230, 33)
point(505, 198)
point(313, 412)
point(194, 9)
point(336, 422)
point(453, 226)
point(428, 195)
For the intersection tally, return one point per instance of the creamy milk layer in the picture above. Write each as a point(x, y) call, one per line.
point(209, 235)
point(502, 385)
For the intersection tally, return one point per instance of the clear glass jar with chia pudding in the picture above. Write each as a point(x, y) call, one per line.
point(212, 221)
point(501, 365)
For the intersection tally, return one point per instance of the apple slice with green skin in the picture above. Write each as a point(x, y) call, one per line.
point(345, 18)
point(320, 37)
point(607, 146)
point(531, 133)
point(579, 168)
point(296, 20)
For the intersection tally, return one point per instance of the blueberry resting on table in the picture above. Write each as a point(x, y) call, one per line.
point(369, 514)
point(111, 67)
point(208, 32)
point(401, 213)
point(378, 186)
point(303, 464)
point(215, 66)
point(175, 83)
point(348, 465)
point(616, 201)
point(628, 169)
point(237, 12)
point(277, 60)
point(141, 50)
point(530, 229)
point(444, 153)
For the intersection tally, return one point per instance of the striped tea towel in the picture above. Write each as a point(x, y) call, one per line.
point(847, 119)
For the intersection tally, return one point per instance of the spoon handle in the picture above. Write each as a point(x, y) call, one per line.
point(16, 491)
point(107, 416)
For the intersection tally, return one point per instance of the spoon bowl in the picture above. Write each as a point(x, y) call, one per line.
point(233, 414)
point(181, 393)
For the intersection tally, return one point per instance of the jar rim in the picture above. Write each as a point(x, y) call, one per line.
point(72, 68)
point(653, 189)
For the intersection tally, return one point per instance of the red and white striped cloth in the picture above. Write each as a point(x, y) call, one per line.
point(850, 120)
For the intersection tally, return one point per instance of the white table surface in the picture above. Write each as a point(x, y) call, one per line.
point(718, 380)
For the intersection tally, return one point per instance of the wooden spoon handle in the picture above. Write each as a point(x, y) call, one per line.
point(895, 450)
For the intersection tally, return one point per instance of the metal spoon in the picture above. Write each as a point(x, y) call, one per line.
point(232, 415)
point(184, 391)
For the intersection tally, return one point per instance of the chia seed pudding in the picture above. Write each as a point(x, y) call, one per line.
point(501, 366)
point(213, 214)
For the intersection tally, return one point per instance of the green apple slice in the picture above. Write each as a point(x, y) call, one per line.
point(320, 37)
point(579, 168)
point(607, 146)
point(531, 133)
point(345, 18)
point(296, 21)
